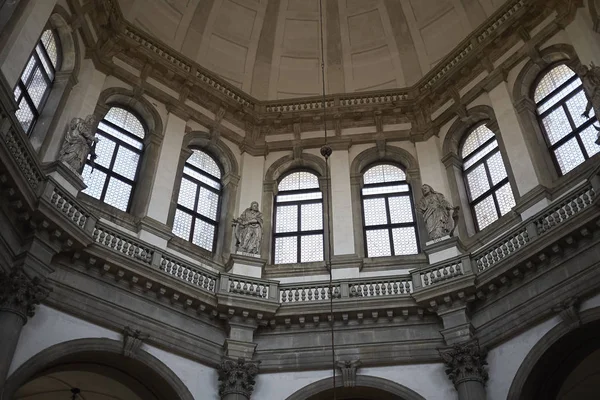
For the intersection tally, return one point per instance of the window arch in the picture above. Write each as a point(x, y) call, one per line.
point(489, 191)
point(388, 212)
point(36, 80)
point(199, 201)
point(112, 175)
point(298, 229)
point(560, 102)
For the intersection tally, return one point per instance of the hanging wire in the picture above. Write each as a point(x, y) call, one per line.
point(326, 152)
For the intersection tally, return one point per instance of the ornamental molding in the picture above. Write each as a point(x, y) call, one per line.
point(465, 362)
point(132, 341)
point(19, 293)
point(349, 369)
point(237, 377)
point(442, 85)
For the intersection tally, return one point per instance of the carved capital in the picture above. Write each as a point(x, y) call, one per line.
point(349, 369)
point(132, 341)
point(19, 293)
point(237, 377)
point(465, 362)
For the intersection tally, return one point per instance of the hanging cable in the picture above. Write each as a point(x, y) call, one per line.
point(326, 152)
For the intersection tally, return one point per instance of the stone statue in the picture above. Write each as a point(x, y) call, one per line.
point(590, 78)
point(79, 142)
point(249, 229)
point(439, 215)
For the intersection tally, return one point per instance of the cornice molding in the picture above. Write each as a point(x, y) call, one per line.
point(194, 83)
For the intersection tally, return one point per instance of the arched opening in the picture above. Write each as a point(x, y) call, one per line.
point(568, 369)
point(93, 369)
point(367, 388)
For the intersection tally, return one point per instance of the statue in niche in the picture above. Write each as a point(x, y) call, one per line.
point(249, 229)
point(80, 141)
point(590, 78)
point(440, 216)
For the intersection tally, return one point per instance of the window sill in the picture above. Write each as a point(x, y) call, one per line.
point(110, 213)
point(194, 252)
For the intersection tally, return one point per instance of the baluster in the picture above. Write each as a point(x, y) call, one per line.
point(296, 295)
point(323, 294)
point(303, 295)
point(425, 279)
point(371, 289)
point(353, 291)
point(377, 289)
point(395, 288)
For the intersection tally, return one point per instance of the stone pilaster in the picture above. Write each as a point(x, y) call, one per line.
point(237, 378)
point(466, 368)
point(18, 297)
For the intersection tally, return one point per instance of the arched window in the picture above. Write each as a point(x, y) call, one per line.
point(560, 102)
point(490, 193)
point(388, 212)
point(298, 228)
point(112, 175)
point(36, 80)
point(199, 201)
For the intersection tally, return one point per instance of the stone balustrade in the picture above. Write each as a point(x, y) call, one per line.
point(440, 272)
point(500, 249)
point(564, 209)
point(245, 286)
point(308, 292)
point(122, 243)
point(67, 205)
point(375, 287)
point(189, 273)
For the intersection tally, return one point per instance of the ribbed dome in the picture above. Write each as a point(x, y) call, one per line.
point(271, 48)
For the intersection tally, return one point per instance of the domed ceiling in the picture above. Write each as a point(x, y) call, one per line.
point(271, 48)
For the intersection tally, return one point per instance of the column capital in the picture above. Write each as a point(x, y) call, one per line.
point(20, 294)
point(465, 362)
point(237, 377)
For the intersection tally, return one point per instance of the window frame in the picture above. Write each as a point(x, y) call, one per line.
point(118, 143)
point(390, 226)
point(562, 103)
point(299, 233)
point(194, 214)
point(493, 188)
point(38, 65)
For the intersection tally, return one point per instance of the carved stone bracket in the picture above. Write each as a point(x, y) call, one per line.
point(349, 369)
point(237, 377)
point(568, 310)
point(465, 362)
point(20, 294)
point(132, 341)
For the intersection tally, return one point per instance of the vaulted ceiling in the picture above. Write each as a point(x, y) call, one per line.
point(271, 48)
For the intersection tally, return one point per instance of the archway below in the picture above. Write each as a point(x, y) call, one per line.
point(355, 393)
point(367, 388)
point(98, 368)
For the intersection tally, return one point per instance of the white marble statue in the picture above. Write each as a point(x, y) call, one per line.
point(439, 215)
point(79, 142)
point(249, 230)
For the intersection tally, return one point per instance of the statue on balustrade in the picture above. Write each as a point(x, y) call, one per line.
point(79, 142)
point(590, 78)
point(439, 215)
point(249, 229)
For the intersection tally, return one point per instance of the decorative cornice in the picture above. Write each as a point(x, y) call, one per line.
point(183, 75)
point(237, 377)
point(465, 362)
point(19, 293)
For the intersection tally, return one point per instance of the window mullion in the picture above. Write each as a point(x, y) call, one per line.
point(389, 222)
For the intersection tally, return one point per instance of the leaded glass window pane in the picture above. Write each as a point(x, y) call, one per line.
point(486, 179)
point(388, 212)
point(561, 101)
point(298, 231)
point(198, 202)
point(118, 153)
point(36, 80)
